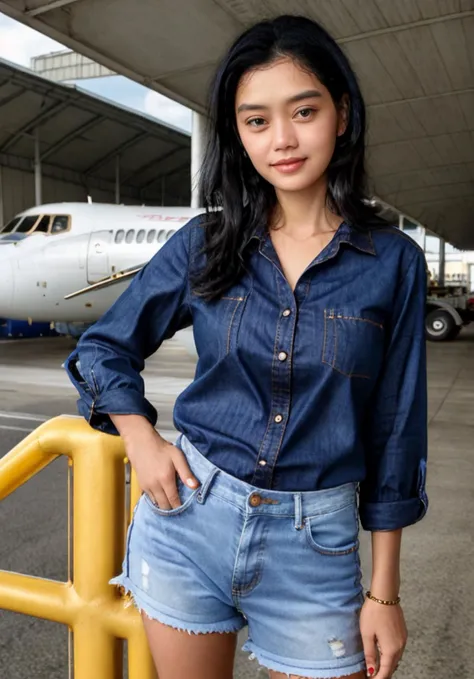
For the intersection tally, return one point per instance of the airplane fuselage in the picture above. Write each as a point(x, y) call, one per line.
point(38, 271)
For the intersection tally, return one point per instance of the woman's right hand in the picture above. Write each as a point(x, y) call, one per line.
point(155, 461)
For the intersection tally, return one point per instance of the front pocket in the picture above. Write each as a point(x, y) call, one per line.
point(353, 342)
point(335, 533)
point(186, 495)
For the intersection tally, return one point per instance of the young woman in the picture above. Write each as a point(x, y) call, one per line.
point(308, 408)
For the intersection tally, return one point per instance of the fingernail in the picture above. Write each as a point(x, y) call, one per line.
point(370, 671)
point(191, 482)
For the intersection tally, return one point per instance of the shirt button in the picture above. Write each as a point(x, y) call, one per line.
point(287, 312)
point(262, 463)
point(282, 356)
point(278, 418)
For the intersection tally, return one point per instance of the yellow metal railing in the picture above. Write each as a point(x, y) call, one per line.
point(93, 610)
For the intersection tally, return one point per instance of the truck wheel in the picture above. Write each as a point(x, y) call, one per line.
point(440, 326)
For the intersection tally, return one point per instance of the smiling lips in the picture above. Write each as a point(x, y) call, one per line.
point(288, 165)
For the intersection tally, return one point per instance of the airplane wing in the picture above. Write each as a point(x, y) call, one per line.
point(107, 282)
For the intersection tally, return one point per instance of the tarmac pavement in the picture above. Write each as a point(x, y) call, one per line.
point(438, 578)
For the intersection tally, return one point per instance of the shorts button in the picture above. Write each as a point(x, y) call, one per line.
point(255, 500)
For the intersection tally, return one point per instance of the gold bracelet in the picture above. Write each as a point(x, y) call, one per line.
point(396, 601)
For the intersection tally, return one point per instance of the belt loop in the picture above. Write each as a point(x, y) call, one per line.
point(204, 489)
point(298, 512)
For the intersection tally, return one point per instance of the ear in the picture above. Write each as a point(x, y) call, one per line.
point(343, 115)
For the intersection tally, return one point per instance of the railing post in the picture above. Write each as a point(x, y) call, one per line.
point(88, 604)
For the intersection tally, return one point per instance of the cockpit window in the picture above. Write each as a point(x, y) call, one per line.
point(8, 228)
point(27, 224)
point(60, 223)
point(43, 224)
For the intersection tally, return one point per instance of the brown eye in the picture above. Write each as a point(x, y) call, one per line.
point(256, 122)
point(306, 112)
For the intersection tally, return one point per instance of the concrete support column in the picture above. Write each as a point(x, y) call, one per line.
point(38, 173)
point(197, 155)
point(2, 211)
point(117, 179)
point(163, 188)
point(442, 261)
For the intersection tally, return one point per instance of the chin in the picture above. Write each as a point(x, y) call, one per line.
point(295, 184)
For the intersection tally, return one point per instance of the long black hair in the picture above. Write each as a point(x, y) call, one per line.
point(237, 199)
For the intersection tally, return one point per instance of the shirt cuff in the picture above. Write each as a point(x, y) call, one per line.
point(378, 516)
point(117, 402)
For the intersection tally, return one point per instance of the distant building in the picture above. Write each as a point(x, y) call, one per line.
point(67, 65)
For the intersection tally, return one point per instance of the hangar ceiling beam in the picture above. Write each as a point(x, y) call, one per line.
point(72, 135)
point(32, 124)
point(55, 4)
point(11, 97)
point(117, 151)
point(406, 27)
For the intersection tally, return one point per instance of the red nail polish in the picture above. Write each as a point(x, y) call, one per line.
point(371, 670)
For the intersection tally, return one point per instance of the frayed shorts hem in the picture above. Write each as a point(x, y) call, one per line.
point(272, 662)
point(144, 605)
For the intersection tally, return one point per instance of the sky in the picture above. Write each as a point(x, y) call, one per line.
point(19, 43)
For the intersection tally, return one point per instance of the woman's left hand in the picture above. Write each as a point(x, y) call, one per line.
point(384, 636)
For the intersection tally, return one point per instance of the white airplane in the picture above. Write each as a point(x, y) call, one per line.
point(67, 263)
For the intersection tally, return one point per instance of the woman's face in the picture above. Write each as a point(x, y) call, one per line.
point(285, 113)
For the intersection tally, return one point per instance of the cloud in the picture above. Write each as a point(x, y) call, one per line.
point(168, 111)
point(18, 43)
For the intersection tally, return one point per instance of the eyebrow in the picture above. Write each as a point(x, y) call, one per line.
point(307, 94)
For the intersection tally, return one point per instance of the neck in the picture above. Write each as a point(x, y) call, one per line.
point(305, 213)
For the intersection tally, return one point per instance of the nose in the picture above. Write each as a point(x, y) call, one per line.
point(284, 135)
point(7, 284)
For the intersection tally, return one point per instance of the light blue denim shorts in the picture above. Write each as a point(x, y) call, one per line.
point(285, 564)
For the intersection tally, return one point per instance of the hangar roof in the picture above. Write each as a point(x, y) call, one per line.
point(414, 59)
point(81, 135)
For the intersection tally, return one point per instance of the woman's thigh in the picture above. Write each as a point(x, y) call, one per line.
point(279, 675)
point(180, 655)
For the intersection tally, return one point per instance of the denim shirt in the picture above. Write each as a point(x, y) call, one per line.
point(293, 391)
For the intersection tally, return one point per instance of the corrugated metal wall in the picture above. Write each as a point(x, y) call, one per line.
point(19, 192)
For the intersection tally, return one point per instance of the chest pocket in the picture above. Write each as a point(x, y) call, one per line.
point(218, 323)
point(353, 342)
point(230, 312)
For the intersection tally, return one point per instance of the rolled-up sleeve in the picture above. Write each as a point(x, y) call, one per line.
point(106, 365)
point(393, 494)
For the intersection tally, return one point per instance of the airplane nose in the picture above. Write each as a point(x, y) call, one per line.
point(6, 288)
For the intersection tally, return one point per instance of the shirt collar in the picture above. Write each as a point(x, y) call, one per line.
point(361, 240)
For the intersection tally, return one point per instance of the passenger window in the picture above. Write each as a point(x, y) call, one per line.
point(119, 236)
point(169, 234)
point(161, 236)
point(151, 236)
point(141, 236)
point(60, 224)
point(43, 225)
point(129, 238)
